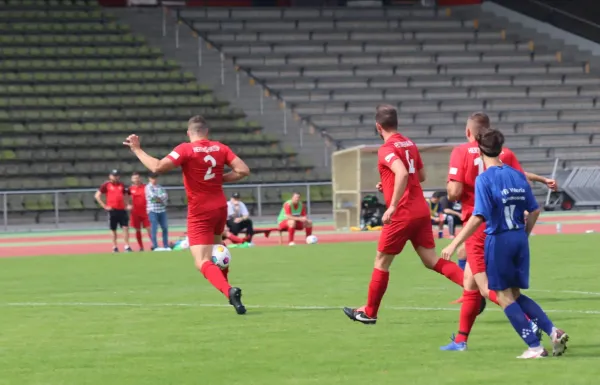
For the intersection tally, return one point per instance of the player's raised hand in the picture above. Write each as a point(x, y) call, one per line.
point(448, 252)
point(387, 216)
point(133, 142)
point(551, 183)
point(379, 187)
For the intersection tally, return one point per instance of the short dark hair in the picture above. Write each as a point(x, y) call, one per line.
point(387, 117)
point(490, 142)
point(153, 175)
point(482, 122)
point(135, 173)
point(296, 193)
point(198, 124)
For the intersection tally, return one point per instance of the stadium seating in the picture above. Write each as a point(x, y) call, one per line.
point(332, 66)
point(74, 83)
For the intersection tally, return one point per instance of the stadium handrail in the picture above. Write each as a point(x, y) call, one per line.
point(57, 192)
point(179, 19)
point(547, 13)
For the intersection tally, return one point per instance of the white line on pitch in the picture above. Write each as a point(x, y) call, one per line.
point(292, 307)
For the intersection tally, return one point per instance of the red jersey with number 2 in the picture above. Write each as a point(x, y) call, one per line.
point(412, 204)
point(466, 164)
point(203, 163)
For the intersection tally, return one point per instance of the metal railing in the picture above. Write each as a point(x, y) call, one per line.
point(561, 18)
point(58, 197)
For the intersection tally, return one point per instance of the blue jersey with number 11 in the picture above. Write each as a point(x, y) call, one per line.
point(502, 195)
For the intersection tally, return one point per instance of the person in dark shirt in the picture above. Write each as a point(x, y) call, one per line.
point(452, 211)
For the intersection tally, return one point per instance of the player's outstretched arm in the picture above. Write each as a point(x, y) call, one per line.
point(551, 183)
point(150, 162)
point(472, 224)
point(239, 170)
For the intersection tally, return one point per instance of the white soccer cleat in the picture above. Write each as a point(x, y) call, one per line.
point(291, 244)
point(559, 342)
point(534, 353)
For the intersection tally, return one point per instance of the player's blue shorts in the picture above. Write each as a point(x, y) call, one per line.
point(507, 260)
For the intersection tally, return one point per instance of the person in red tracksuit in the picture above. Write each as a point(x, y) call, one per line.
point(139, 216)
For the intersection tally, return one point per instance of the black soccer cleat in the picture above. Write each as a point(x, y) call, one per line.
point(115, 249)
point(359, 315)
point(128, 249)
point(235, 299)
point(482, 305)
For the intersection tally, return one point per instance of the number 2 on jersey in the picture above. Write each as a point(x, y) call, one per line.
point(480, 166)
point(411, 163)
point(213, 163)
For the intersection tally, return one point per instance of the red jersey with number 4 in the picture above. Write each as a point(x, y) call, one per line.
point(203, 163)
point(412, 204)
point(138, 199)
point(466, 164)
point(115, 194)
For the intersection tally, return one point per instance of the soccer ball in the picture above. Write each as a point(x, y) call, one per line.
point(311, 240)
point(221, 256)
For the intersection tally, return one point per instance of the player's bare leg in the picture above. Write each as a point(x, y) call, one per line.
point(114, 241)
point(446, 268)
point(291, 229)
point(462, 263)
point(379, 282)
point(308, 227)
point(126, 238)
point(203, 259)
point(149, 232)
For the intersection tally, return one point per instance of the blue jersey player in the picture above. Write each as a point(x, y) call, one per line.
point(502, 196)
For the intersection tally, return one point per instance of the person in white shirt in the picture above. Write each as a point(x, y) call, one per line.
point(238, 218)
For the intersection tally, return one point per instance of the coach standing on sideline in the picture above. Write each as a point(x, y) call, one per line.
point(157, 197)
point(238, 218)
point(115, 205)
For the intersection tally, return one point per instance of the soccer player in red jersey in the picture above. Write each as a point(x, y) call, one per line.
point(115, 205)
point(202, 162)
point(139, 215)
point(465, 165)
point(407, 217)
point(293, 217)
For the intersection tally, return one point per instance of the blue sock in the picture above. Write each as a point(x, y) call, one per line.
point(462, 263)
point(535, 312)
point(517, 318)
point(440, 234)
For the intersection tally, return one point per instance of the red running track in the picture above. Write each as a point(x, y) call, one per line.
point(95, 245)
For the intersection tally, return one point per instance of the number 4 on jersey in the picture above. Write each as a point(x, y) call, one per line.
point(411, 163)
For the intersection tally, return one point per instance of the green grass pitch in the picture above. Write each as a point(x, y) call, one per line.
point(152, 319)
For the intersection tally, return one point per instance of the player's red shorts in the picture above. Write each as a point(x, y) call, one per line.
point(139, 220)
point(475, 246)
point(202, 229)
point(394, 236)
point(283, 225)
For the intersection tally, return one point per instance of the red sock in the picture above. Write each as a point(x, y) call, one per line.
point(468, 312)
point(377, 288)
point(138, 235)
point(215, 276)
point(235, 239)
point(450, 270)
point(226, 273)
point(309, 231)
point(494, 297)
point(291, 232)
